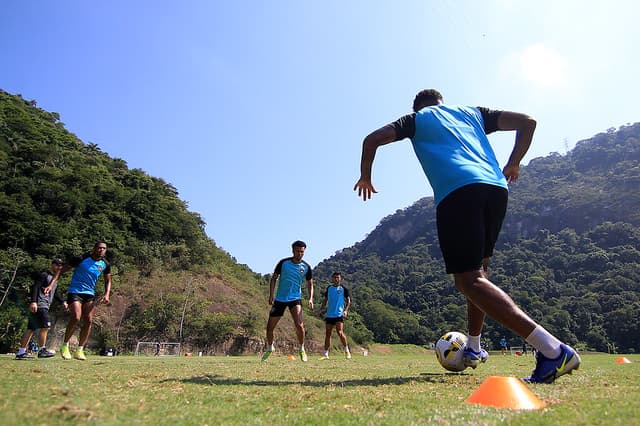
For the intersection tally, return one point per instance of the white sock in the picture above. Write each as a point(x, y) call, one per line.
point(21, 351)
point(80, 348)
point(473, 342)
point(302, 347)
point(346, 348)
point(545, 342)
point(271, 348)
point(326, 353)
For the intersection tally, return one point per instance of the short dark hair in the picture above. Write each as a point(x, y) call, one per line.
point(57, 261)
point(335, 274)
point(298, 243)
point(426, 96)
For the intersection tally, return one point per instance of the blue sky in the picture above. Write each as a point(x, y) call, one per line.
point(255, 111)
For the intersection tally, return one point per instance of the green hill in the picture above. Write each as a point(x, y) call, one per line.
point(58, 195)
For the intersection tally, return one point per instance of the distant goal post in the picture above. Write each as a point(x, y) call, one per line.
point(157, 349)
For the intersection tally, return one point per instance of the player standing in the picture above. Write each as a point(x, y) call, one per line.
point(336, 300)
point(289, 274)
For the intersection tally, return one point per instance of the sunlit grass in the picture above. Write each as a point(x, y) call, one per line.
point(390, 386)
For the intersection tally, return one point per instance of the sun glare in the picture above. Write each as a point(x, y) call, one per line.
point(543, 66)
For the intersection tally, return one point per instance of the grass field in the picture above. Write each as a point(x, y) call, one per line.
point(391, 386)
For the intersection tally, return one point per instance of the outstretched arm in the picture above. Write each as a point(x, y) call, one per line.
point(382, 136)
point(524, 126)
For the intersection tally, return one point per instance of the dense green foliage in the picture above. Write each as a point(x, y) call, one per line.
point(569, 254)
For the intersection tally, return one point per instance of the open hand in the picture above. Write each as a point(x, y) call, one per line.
point(365, 188)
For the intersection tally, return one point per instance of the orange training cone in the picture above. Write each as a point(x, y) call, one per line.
point(505, 392)
point(291, 357)
point(622, 360)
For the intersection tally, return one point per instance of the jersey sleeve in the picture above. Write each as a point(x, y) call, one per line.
point(76, 260)
point(405, 126)
point(39, 283)
point(107, 269)
point(346, 292)
point(278, 269)
point(309, 274)
point(490, 119)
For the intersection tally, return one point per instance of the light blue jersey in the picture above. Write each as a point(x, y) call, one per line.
point(453, 149)
point(291, 277)
point(336, 295)
point(86, 274)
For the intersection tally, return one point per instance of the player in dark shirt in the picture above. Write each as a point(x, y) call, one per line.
point(41, 295)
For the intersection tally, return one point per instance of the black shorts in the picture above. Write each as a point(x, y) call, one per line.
point(80, 297)
point(277, 310)
point(333, 321)
point(39, 319)
point(469, 221)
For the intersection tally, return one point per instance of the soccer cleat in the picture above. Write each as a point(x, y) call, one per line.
point(45, 353)
point(472, 359)
point(347, 355)
point(548, 370)
point(80, 355)
point(64, 352)
point(265, 355)
point(24, 355)
point(324, 357)
point(303, 356)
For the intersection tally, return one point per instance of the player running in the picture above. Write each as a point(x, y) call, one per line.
point(81, 295)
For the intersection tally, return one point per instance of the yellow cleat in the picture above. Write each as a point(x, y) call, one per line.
point(80, 355)
point(64, 352)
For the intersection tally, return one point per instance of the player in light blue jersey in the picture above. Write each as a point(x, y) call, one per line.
point(81, 295)
point(470, 192)
point(289, 275)
point(336, 302)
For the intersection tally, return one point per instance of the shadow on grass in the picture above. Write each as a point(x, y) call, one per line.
point(216, 380)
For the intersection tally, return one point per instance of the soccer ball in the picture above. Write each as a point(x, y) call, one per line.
point(449, 350)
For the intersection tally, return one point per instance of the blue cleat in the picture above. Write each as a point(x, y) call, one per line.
point(472, 359)
point(24, 356)
point(547, 370)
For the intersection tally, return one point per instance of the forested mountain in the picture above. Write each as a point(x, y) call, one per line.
point(59, 195)
point(568, 254)
point(569, 251)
